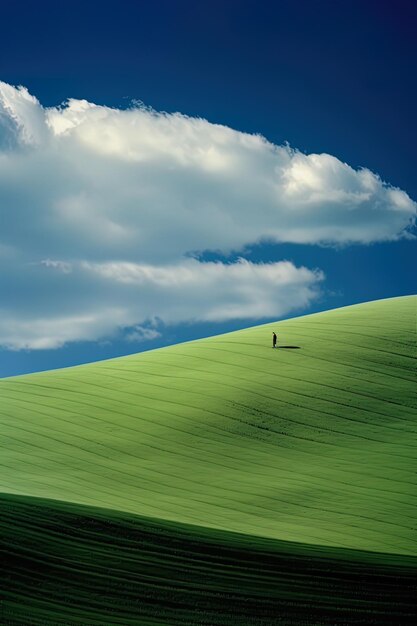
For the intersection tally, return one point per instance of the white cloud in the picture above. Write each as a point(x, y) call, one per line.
point(84, 300)
point(141, 333)
point(53, 329)
point(61, 265)
point(109, 203)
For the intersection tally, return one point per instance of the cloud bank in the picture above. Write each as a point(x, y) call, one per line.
point(101, 210)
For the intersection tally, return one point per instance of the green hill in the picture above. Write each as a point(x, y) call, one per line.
point(306, 454)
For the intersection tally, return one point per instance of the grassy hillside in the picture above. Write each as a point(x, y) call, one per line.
point(311, 444)
point(72, 565)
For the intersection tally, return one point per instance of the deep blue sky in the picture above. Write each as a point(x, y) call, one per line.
point(326, 76)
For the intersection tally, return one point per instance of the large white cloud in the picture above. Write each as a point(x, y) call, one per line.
point(109, 203)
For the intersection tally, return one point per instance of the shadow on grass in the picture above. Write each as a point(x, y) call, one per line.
point(289, 347)
point(155, 570)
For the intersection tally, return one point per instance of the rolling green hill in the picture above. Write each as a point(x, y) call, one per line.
point(220, 480)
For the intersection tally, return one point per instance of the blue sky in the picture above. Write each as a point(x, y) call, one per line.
point(86, 274)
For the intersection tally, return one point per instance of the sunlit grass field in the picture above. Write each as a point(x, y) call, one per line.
point(221, 481)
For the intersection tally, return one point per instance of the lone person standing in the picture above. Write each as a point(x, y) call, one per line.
point(274, 340)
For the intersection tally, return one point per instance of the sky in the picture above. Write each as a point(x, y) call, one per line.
point(174, 170)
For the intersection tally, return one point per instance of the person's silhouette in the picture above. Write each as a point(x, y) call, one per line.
point(274, 340)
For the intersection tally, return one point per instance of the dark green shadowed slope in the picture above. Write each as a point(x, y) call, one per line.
point(313, 443)
point(68, 564)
